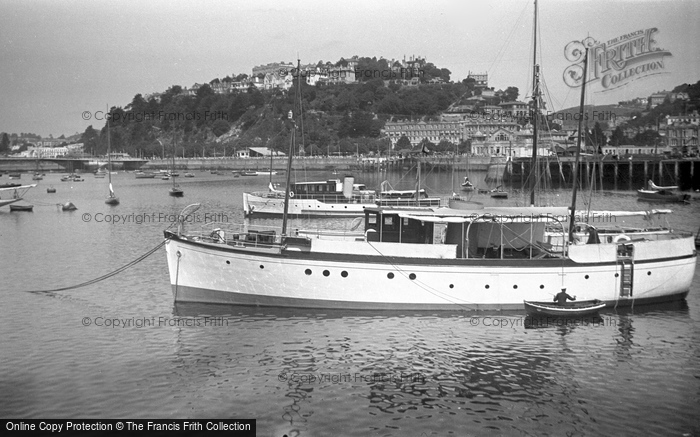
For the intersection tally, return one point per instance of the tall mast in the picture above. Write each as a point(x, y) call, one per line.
point(109, 157)
point(270, 150)
point(172, 168)
point(418, 179)
point(578, 148)
point(297, 99)
point(535, 110)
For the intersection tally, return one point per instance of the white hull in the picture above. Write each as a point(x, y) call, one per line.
point(259, 205)
point(362, 275)
point(9, 201)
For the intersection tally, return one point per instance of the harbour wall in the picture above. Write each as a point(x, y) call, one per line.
point(623, 174)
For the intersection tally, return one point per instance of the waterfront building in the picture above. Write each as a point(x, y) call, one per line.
point(257, 152)
point(453, 127)
point(49, 142)
point(629, 149)
point(681, 132)
point(514, 144)
point(433, 131)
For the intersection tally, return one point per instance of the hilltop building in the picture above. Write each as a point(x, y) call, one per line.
point(481, 79)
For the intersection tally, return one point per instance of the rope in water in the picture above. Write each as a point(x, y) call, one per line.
point(108, 275)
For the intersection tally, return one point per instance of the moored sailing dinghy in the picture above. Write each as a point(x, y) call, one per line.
point(112, 199)
point(662, 194)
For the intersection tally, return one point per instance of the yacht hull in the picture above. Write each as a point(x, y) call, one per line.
point(356, 275)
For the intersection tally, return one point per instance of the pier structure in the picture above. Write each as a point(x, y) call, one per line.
point(612, 174)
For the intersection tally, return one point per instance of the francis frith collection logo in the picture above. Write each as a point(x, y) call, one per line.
point(617, 62)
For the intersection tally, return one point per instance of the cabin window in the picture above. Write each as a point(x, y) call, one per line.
point(388, 220)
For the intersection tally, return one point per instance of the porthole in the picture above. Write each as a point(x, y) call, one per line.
point(262, 266)
point(487, 286)
point(515, 287)
point(648, 273)
point(228, 262)
point(617, 275)
point(541, 286)
point(390, 275)
point(452, 286)
point(412, 276)
point(344, 274)
point(308, 272)
point(326, 273)
point(586, 276)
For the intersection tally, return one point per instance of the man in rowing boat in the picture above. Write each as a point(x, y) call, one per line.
point(562, 297)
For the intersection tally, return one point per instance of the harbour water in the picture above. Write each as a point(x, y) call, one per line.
point(121, 348)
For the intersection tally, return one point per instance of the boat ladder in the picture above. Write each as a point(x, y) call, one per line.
point(625, 258)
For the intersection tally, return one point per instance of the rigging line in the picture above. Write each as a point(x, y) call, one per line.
point(38, 202)
point(420, 284)
point(501, 51)
point(106, 276)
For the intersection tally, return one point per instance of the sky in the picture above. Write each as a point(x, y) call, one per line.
point(59, 59)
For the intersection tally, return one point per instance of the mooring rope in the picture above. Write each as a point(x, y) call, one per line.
point(177, 272)
point(38, 202)
point(108, 275)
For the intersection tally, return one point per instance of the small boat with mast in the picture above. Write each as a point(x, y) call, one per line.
point(112, 199)
point(175, 190)
point(657, 193)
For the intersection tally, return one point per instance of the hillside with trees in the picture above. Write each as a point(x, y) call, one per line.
point(640, 126)
point(338, 118)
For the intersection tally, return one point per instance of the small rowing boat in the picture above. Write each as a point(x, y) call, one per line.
point(570, 309)
point(21, 208)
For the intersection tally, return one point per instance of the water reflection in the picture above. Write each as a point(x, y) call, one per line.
point(401, 365)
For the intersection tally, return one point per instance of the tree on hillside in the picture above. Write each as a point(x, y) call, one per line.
point(445, 74)
point(465, 146)
point(444, 146)
point(511, 94)
point(597, 138)
point(470, 83)
point(220, 127)
point(4, 143)
point(403, 143)
point(647, 138)
point(618, 137)
point(137, 105)
point(90, 140)
point(205, 91)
